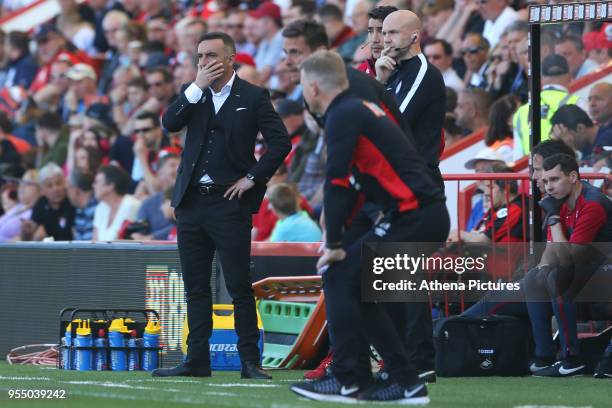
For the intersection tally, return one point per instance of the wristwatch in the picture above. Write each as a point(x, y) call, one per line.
point(552, 220)
point(251, 177)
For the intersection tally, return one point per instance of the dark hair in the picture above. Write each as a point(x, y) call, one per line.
point(512, 184)
point(330, 11)
point(140, 82)
point(380, 13)
point(116, 176)
point(228, 41)
point(551, 147)
point(94, 156)
point(81, 180)
point(284, 198)
point(571, 116)
point(5, 123)
point(49, 120)
point(572, 38)
point(499, 115)
point(446, 47)
point(314, 33)
point(167, 75)
point(307, 7)
point(20, 41)
point(567, 163)
point(144, 115)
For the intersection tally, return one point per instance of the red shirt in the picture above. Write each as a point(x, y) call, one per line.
point(368, 67)
point(506, 223)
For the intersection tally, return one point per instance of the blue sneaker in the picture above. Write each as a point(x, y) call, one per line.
point(327, 389)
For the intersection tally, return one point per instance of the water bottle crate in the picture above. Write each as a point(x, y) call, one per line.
point(140, 349)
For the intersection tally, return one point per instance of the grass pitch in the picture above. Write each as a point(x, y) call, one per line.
point(225, 389)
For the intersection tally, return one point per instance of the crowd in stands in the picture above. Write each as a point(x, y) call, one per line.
point(83, 155)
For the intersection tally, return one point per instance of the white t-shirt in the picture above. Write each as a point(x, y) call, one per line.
point(452, 80)
point(494, 29)
point(128, 210)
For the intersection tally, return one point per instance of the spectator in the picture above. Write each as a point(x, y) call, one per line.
point(500, 73)
point(52, 140)
point(597, 47)
point(600, 110)
point(158, 226)
point(310, 183)
point(452, 132)
point(291, 113)
point(440, 54)
point(157, 30)
point(234, 26)
point(293, 225)
point(572, 49)
point(474, 50)
point(188, 31)
point(115, 204)
point(161, 90)
point(435, 14)
point(19, 208)
point(499, 134)
point(472, 110)
point(81, 196)
point(520, 86)
point(299, 10)
point(71, 23)
point(114, 22)
point(517, 33)
point(251, 32)
point(114, 145)
point(100, 9)
point(150, 141)
point(270, 44)
point(375, 38)
point(137, 94)
point(82, 90)
point(555, 80)
point(52, 215)
point(338, 33)
point(464, 19)
point(359, 24)
point(22, 67)
point(498, 16)
point(573, 126)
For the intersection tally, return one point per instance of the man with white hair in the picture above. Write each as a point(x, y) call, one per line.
point(52, 215)
point(369, 156)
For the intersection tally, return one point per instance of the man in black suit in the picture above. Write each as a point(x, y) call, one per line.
point(219, 185)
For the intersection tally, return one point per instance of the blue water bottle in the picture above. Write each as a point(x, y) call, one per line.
point(150, 339)
point(83, 339)
point(100, 363)
point(66, 343)
point(133, 360)
point(116, 333)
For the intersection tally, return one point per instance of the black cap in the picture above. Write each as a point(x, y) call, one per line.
point(554, 65)
point(102, 113)
point(42, 33)
point(287, 107)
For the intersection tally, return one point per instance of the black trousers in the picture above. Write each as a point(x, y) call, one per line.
point(354, 324)
point(206, 223)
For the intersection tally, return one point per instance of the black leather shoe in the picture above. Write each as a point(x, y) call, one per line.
point(254, 372)
point(180, 371)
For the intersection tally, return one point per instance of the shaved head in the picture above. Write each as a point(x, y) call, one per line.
point(404, 20)
point(402, 35)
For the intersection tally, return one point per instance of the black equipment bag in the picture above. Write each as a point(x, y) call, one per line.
point(482, 346)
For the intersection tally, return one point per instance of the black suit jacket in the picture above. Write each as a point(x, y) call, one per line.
point(249, 111)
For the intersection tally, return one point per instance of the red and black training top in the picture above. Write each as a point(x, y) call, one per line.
point(505, 224)
point(368, 153)
point(591, 218)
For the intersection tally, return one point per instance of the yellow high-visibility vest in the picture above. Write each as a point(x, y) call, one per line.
point(550, 100)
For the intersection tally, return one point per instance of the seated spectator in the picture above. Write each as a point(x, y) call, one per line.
point(87, 159)
point(22, 67)
point(72, 24)
point(312, 164)
point(150, 212)
point(113, 23)
point(338, 33)
point(359, 24)
point(234, 24)
point(124, 114)
point(52, 215)
point(81, 196)
point(117, 147)
point(440, 54)
point(597, 47)
point(573, 126)
point(269, 39)
point(82, 91)
point(299, 10)
point(577, 214)
point(291, 113)
point(435, 14)
point(17, 205)
point(572, 49)
point(161, 90)
point(293, 225)
point(115, 205)
point(498, 15)
point(475, 50)
point(472, 110)
point(265, 219)
point(499, 134)
point(600, 110)
point(520, 85)
point(452, 132)
point(501, 73)
point(52, 140)
point(168, 213)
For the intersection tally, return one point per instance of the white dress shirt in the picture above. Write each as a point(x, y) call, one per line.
point(193, 93)
point(493, 30)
